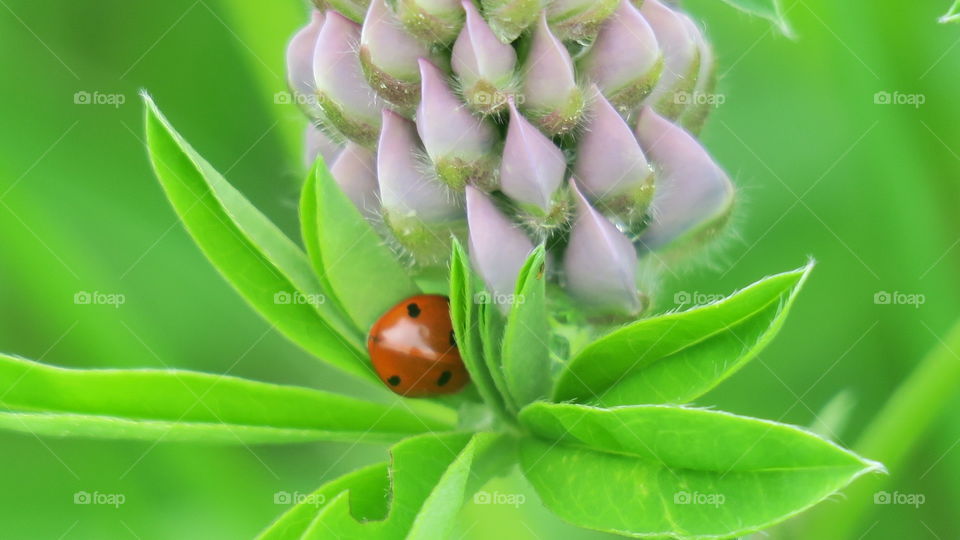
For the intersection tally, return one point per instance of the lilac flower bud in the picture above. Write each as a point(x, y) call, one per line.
point(352, 9)
point(355, 171)
point(533, 168)
point(498, 248)
point(485, 66)
point(694, 196)
point(696, 114)
point(432, 22)
point(601, 263)
point(347, 101)
point(300, 62)
point(421, 211)
point(509, 18)
point(611, 167)
point(625, 77)
point(389, 58)
point(551, 97)
point(681, 59)
point(579, 20)
point(317, 143)
point(461, 146)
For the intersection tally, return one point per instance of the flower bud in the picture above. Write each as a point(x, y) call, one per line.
point(625, 78)
point(461, 146)
point(317, 143)
point(551, 97)
point(300, 64)
point(485, 66)
point(355, 171)
point(694, 196)
point(420, 211)
point(389, 58)
point(498, 248)
point(347, 101)
point(696, 114)
point(579, 20)
point(681, 59)
point(611, 167)
point(533, 169)
point(600, 263)
point(432, 22)
point(509, 18)
point(351, 9)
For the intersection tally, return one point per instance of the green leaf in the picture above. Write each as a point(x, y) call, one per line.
point(655, 470)
point(419, 497)
point(678, 357)
point(525, 353)
point(767, 9)
point(363, 273)
point(174, 405)
point(464, 313)
point(265, 266)
point(953, 15)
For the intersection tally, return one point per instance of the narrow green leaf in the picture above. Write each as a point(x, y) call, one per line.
point(174, 405)
point(268, 269)
point(309, 234)
point(675, 471)
point(677, 357)
point(364, 274)
point(767, 9)
point(491, 325)
point(428, 479)
point(464, 314)
point(953, 15)
point(526, 354)
point(365, 488)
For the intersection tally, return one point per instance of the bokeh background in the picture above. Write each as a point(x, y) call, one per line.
point(870, 190)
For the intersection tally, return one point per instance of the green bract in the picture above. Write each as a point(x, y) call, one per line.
point(603, 436)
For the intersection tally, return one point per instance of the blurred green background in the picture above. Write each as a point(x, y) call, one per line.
point(870, 190)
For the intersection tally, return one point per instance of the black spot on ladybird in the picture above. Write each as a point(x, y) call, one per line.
point(413, 310)
point(444, 378)
point(394, 381)
point(453, 339)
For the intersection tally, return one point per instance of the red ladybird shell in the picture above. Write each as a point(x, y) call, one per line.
point(414, 350)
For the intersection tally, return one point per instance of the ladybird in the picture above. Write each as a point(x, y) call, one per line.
point(414, 349)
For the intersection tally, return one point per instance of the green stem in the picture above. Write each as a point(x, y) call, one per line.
point(893, 434)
